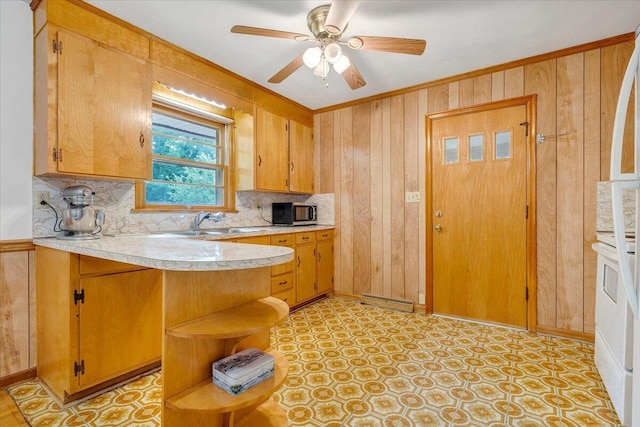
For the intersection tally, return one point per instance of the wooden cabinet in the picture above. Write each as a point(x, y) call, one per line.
point(272, 152)
point(306, 266)
point(325, 265)
point(97, 321)
point(280, 159)
point(301, 171)
point(92, 108)
point(283, 279)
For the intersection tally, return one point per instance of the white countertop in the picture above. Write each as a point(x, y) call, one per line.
point(165, 252)
point(183, 253)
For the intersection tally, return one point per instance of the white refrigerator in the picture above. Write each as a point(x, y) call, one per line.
point(629, 181)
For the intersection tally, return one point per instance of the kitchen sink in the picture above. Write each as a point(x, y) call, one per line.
point(216, 231)
point(194, 233)
point(247, 229)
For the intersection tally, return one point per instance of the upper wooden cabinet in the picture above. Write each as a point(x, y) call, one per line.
point(272, 152)
point(93, 108)
point(281, 159)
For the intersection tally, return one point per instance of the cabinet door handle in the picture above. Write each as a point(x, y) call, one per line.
point(292, 166)
point(283, 283)
point(319, 256)
point(259, 160)
point(298, 261)
point(141, 139)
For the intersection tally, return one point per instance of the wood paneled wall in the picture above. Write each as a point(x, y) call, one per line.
point(370, 153)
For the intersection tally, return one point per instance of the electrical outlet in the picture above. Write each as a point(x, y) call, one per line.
point(421, 299)
point(41, 196)
point(412, 197)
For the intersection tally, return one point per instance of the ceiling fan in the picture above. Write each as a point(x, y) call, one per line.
point(327, 24)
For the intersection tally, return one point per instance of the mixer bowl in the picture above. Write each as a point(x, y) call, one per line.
point(82, 220)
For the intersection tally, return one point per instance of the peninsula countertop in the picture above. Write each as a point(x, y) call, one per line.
point(167, 252)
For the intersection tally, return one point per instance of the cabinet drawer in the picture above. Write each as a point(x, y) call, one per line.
point(281, 283)
point(305, 237)
point(283, 240)
point(90, 265)
point(288, 296)
point(324, 235)
point(287, 267)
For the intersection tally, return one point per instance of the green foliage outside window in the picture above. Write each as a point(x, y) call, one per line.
point(186, 163)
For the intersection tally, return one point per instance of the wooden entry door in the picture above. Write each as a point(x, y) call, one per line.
point(479, 211)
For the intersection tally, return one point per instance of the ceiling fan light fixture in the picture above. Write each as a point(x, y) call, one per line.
point(333, 52)
point(312, 57)
point(342, 64)
point(322, 69)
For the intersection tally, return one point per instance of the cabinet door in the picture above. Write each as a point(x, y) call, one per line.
point(305, 272)
point(301, 172)
point(272, 152)
point(104, 110)
point(325, 266)
point(120, 324)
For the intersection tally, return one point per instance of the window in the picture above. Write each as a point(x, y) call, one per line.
point(503, 145)
point(451, 150)
point(190, 161)
point(476, 148)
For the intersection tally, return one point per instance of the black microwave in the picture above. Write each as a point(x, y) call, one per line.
point(294, 214)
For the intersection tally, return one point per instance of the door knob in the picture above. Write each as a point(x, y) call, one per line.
point(438, 228)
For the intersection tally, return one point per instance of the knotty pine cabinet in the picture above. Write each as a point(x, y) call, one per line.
point(281, 157)
point(283, 279)
point(98, 321)
point(325, 259)
point(92, 108)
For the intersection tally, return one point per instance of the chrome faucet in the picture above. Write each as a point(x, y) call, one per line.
point(201, 216)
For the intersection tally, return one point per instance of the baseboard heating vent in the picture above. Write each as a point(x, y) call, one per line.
point(383, 302)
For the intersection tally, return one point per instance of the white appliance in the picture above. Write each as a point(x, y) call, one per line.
point(614, 327)
point(623, 388)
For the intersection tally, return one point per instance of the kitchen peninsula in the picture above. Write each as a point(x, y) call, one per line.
point(100, 307)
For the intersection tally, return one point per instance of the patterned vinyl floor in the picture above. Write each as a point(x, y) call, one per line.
point(359, 366)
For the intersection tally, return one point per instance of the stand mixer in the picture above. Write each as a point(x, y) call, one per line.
point(81, 221)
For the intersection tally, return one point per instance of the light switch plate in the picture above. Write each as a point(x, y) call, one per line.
point(412, 197)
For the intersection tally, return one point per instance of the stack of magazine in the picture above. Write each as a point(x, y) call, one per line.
point(242, 370)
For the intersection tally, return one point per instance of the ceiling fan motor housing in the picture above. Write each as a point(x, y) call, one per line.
point(315, 21)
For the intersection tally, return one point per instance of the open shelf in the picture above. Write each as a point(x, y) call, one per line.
point(207, 398)
point(235, 322)
point(269, 414)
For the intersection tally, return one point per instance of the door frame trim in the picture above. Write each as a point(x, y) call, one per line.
point(529, 102)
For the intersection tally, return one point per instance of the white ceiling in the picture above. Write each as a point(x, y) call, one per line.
point(461, 36)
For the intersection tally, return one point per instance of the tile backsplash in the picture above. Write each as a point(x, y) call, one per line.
point(604, 218)
point(117, 198)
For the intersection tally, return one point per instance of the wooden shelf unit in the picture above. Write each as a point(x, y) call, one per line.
point(208, 398)
point(209, 315)
point(235, 322)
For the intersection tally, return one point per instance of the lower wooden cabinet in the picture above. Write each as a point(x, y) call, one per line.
point(306, 270)
point(118, 324)
point(310, 273)
point(98, 321)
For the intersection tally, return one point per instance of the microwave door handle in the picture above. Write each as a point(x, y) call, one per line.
point(624, 262)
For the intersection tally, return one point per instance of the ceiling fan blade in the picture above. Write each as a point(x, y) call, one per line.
point(255, 31)
point(388, 44)
point(339, 15)
point(287, 70)
point(353, 77)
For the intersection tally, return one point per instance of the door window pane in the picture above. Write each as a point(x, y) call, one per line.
point(476, 148)
point(451, 150)
point(503, 145)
